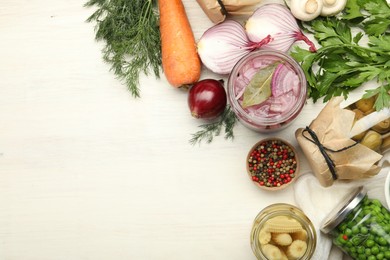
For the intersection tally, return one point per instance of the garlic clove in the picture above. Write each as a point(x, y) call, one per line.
point(306, 10)
point(332, 7)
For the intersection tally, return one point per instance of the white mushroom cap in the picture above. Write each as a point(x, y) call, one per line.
point(306, 10)
point(332, 7)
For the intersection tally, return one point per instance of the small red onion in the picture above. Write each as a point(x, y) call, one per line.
point(277, 21)
point(224, 44)
point(207, 99)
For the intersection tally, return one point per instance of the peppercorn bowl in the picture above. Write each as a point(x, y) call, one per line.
point(272, 164)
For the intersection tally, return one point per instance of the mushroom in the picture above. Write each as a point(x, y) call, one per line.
point(306, 10)
point(332, 7)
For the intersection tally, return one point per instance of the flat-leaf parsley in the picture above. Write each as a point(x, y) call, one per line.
point(342, 63)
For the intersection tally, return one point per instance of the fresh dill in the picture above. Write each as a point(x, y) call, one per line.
point(227, 121)
point(131, 33)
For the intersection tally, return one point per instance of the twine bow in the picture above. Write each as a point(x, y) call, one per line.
point(223, 8)
point(314, 139)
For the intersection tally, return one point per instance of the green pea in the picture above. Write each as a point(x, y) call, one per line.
point(380, 217)
point(380, 256)
point(357, 239)
point(358, 220)
point(363, 230)
point(341, 239)
point(367, 251)
point(370, 243)
point(376, 203)
point(355, 230)
point(342, 227)
point(351, 224)
point(348, 232)
point(360, 249)
point(386, 228)
point(374, 250)
point(387, 254)
point(367, 212)
point(371, 257)
point(382, 241)
point(372, 220)
point(362, 257)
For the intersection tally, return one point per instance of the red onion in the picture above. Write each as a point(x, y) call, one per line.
point(277, 21)
point(207, 99)
point(224, 44)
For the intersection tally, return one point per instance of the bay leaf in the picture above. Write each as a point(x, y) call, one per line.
point(259, 88)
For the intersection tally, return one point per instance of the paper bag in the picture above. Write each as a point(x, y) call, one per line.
point(217, 10)
point(330, 151)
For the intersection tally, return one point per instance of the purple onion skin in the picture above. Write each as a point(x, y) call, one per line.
point(207, 99)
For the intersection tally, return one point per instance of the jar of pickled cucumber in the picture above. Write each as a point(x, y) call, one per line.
point(360, 226)
point(283, 231)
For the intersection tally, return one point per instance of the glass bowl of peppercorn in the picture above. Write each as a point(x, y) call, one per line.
point(272, 164)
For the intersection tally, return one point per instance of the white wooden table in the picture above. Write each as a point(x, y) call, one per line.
point(89, 172)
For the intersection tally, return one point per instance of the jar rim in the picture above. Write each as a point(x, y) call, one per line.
point(300, 98)
point(346, 205)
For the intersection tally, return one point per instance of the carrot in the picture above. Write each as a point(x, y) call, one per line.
point(180, 60)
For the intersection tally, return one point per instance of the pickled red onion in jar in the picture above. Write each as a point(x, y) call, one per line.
point(288, 90)
point(285, 83)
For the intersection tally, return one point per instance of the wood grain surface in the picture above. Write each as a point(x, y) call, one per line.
point(89, 172)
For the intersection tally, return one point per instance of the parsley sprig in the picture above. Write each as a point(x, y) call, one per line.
point(342, 64)
point(132, 38)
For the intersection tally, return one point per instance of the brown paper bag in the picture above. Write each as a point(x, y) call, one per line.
point(217, 10)
point(331, 153)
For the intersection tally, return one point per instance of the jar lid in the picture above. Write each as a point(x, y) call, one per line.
point(337, 215)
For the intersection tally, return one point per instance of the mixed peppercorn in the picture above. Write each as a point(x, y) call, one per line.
point(272, 163)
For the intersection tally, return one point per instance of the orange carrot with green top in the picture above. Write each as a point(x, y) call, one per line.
point(180, 60)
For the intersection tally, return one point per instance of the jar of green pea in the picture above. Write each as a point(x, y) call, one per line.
point(360, 226)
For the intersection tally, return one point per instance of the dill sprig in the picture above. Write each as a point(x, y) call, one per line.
point(227, 121)
point(131, 32)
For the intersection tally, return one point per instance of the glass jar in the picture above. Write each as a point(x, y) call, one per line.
point(282, 230)
point(288, 90)
point(360, 226)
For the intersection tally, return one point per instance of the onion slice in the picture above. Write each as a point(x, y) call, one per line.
point(224, 44)
point(280, 80)
point(277, 21)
